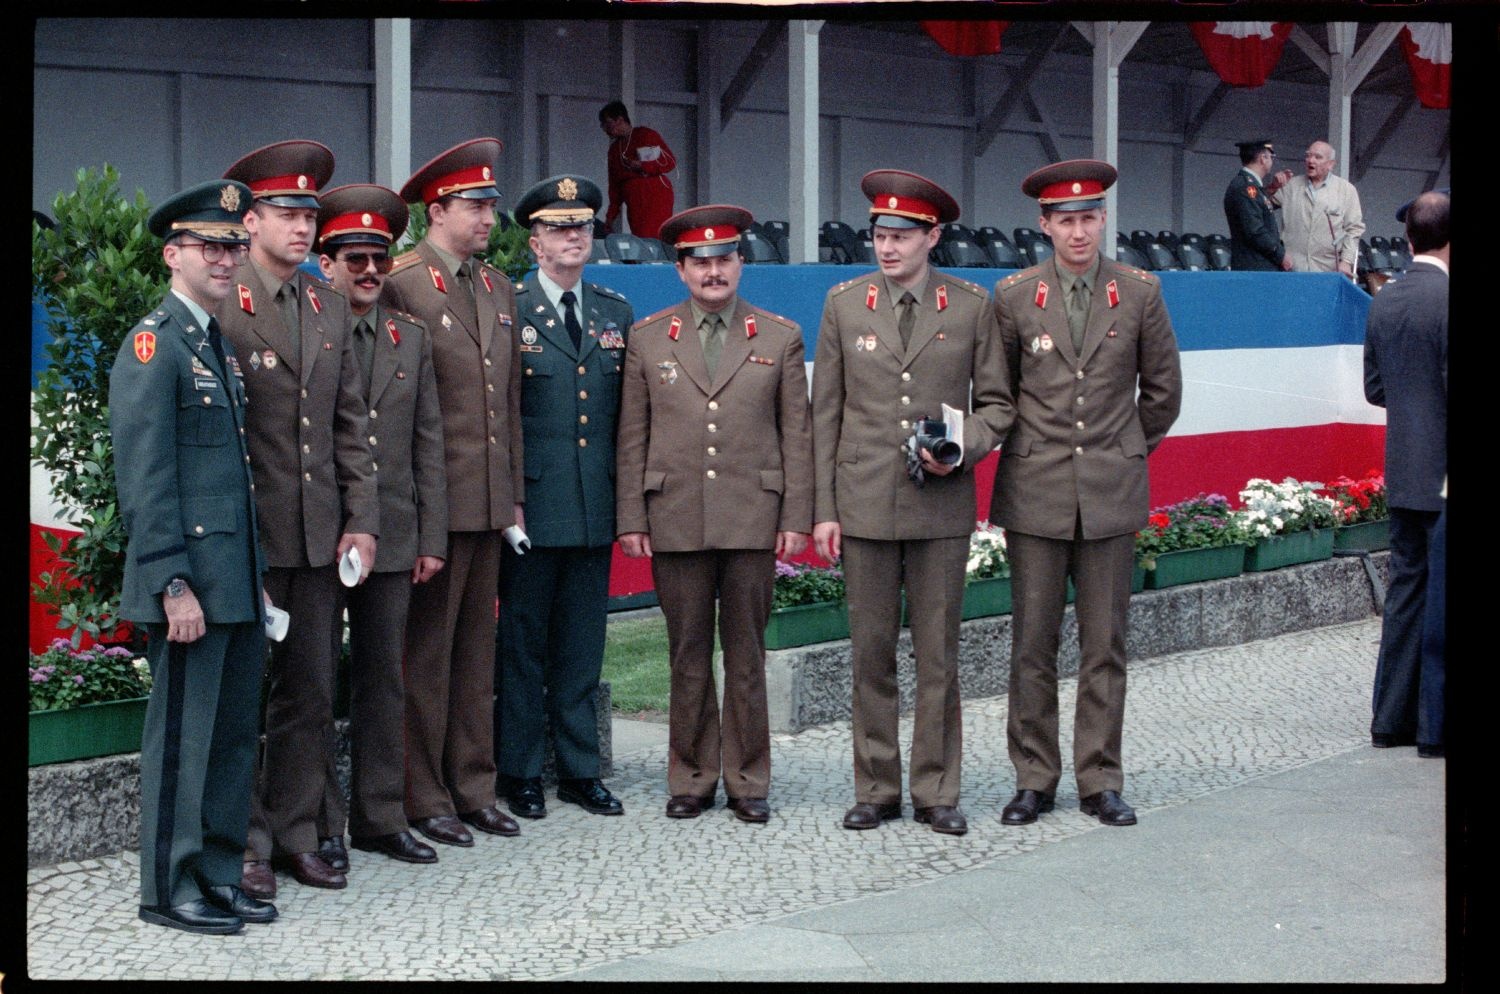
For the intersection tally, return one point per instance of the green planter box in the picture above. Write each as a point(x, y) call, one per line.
point(87, 731)
point(1368, 535)
point(1288, 550)
point(807, 623)
point(986, 598)
point(1137, 579)
point(1196, 565)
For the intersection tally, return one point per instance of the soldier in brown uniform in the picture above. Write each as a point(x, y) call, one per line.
point(468, 307)
point(1082, 334)
point(315, 495)
point(895, 346)
point(356, 227)
point(714, 483)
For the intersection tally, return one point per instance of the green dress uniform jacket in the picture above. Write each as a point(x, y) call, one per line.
point(1254, 241)
point(177, 417)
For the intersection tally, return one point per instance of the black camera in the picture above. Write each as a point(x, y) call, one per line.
point(932, 435)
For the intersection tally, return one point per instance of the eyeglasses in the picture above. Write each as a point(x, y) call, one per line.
point(215, 251)
point(357, 262)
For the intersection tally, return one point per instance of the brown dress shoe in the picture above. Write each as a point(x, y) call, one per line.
point(492, 820)
point(865, 815)
point(397, 845)
point(943, 818)
point(752, 809)
point(688, 806)
point(445, 829)
point(331, 851)
point(257, 880)
point(310, 871)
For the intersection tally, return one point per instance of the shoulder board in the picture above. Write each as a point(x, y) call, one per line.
point(1020, 277)
point(659, 315)
point(848, 284)
point(405, 261)
point(963, 284)
point(155, 321)
point(605, 291)
point(497, 276)
point(391, 312)
point(1139, 274)
point(318, 283)
point(777, 318)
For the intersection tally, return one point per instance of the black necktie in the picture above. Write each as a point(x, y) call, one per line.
point(216, 342)
point(364, 347)
point(908, 319)
point(570, 319)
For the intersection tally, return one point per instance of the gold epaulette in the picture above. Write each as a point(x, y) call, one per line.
point(664, 312)
point(405, 261)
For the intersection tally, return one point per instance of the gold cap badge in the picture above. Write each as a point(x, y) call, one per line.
point(229, 198)
point(1077, 187)
point(567, 190)
point(708, 232)
point(892, 202)
point(302, 182)
point(486, 173)
point(366, 220)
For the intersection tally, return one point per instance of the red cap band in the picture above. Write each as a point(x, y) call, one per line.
point(465, 179)
point(1084, 189)
point(920, 210)
point(717, 234)
point(297, 184)
point(363, 223)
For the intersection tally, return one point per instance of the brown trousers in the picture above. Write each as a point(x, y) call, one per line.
point(450, 681)
point(701, 742)
point(932, 571)
point(289, 779)
point(1101, 571)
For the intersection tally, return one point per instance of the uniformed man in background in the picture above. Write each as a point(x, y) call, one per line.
point(714, 485)
point(553, 598)
point(356, 227)
point(1254, 240)
point(192, 570)
point(469, 309)
point(316, 499)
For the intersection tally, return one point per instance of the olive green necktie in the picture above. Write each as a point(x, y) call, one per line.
point(908, 319)
point(1078, 313)
point(286, 299)
point(364, 347)
point(714, 345)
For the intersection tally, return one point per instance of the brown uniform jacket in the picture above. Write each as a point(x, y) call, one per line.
point(406, 441)
point(475, 357)
point(868, 392)
point(305, 420)
point(714, 465)
point(1081, 437)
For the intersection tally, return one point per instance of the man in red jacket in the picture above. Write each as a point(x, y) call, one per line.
point(638, 165)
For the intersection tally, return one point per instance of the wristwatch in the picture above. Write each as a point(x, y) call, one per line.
point(177, 587)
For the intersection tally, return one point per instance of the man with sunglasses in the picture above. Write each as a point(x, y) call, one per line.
point(469, 309)
point(552, 599)
point(192, 570)
point(316, 496)
point(357, 225)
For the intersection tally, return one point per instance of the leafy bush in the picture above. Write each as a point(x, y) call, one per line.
point(64, 677)
point(1201, 522)
point(97, 273)
point(804, 583)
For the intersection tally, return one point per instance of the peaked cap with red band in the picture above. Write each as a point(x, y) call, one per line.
point(1074, 185)
point(466, 170)
point(286, 174)
point(707, 231)
point(360, 213)
point(905, 200)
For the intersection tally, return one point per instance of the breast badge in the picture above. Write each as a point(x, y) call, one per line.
point(668, 371)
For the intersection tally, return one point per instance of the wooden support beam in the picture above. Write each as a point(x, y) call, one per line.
point(1355, 171)
point(990, 126)
point(1205, 112)
point(773, 35)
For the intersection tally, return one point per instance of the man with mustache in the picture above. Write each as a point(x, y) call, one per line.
point(315, 500)
point(356, 227)
point(714, 484)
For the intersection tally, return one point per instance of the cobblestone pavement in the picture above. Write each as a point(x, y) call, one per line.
point(576, 891)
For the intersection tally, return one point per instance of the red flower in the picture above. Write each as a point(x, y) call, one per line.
point(1159, 521)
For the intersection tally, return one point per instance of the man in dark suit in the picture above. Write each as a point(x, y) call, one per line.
point(1082, 334)
point(714, 484)
point(356, 227)
point(1254, 241)
point(550, 645)
point(469, 309)
point(192, 570)
point(316, 500)
point(895, 346)
point(1406, 372)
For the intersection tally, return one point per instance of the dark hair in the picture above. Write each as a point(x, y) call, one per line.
point(1427, 222)
point(614, 108)
point(1250, 155)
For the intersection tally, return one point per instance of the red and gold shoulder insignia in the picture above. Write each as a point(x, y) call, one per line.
point(1112, 291)
point(749, 326)
point(1041, 294)
point(317, 305)
point(942, 296)
point(437, 279)
point(145, 345)
point(390, 327)
point(675, 329)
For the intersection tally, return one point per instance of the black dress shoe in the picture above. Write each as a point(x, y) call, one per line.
point(1430, 751)
point(491, 820)
point(591, 795)
point(688, 806)
point(236, 902)
point(445, 829)
point(943, 818)
point(1109, 807)
point(397, 845)
point(524, 797)
point(195, 916)
point(1025, 806)
point(1390, 740)
point(331, 851)
point(751, 809)
point(865, 815)
point(309, 870)
point(257, 879)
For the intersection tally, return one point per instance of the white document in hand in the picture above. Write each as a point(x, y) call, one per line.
point(648, 153)
point(953, 423)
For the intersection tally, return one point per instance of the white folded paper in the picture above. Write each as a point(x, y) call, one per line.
point(350, 567)
point(277, 622)
point(648, 153)
point(517, 539)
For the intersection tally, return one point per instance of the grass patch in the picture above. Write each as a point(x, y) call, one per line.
point(636, 664)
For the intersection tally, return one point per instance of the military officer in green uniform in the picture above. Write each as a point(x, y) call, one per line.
point(550, 644)
point(192, 570)
point(1254, 240)
point(357, 225)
